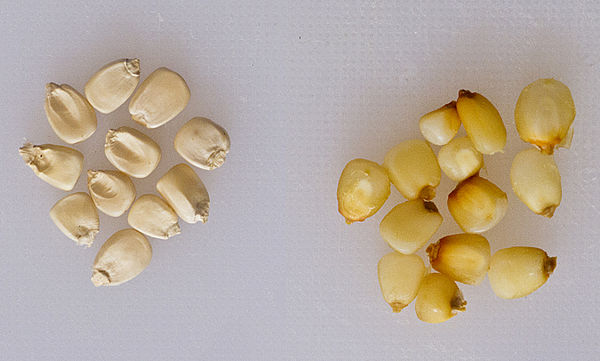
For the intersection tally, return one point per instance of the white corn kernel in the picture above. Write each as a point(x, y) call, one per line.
point(518, 271)
point(441, 125)
point(400, 276)
point(409, 225)
point(113, 84)
point(482, 122)
point(477, 204)
point(536, 181)
point(439, 299)
point(413, 169)
point(160, 97)
point(203, 143)
point(132, 152)
point(69, 113)
point(76, 216)
point(184, 191)
point(112, 191)
point(463, 257)
point(544, 113)
point(459, 159)
point(152, 216)
point(54, 164)
point(122, 257)
point(363, 188)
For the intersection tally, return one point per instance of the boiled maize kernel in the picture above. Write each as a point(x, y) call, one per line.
point(463, 257)
point(481, 121)
point(400, 277)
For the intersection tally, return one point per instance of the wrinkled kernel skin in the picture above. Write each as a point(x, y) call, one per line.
point(355, 202)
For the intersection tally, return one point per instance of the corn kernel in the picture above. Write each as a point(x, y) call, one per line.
point(477, 204)
point(69, 113)
point(438, 299)
point(413, 169)
point(113, 84)
point(363, 188)
point(482, 122)
point(536, 181)
point(409, 225)
point(77, 218)
point(54, 164)
point(518, 271)
point(441, 125)
point(111, 190)
point(132, 152)
point(400, 277)
point(459, 159)
point(544, 114)
point(463, 257)
point(186, 194)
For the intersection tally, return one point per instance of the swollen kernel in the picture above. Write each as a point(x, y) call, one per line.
point(459, 159)
point(409, 225)
point(482, 122)
point(112, 191)
point(441, 125)
point(76, 216)
point(463, 257)
point(132, 152)
point(518, 271)
point(413, 169)
point(438, 299)
point(54, 164)
point(185, 192)
point(122, 257)
point(400, 277)
point(363, 188)
point(536, 181)
point(152, 216)
point(544, 114)
point(203, 143)
point(160, 97)
point(69, 113)
point(477, 204)
point(113, 84)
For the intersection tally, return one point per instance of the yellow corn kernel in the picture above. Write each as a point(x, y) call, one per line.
point(536, 181)
point(409, 225)
point(441, 125)
point(463, 257)
point(482, 122)
point(400, 276)
point(413, 169)
point(363, 188)
point(459, 159)
point(544, 114)
point(438, 299)
point(518, 271)
point(477, 204)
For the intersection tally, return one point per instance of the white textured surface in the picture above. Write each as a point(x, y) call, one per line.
point(302, 87)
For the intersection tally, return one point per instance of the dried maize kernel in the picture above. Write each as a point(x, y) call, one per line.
point(441, 125)
point(477, 204)
point(482, 122)
point(76, 216)
point(518, 271)
point(409, 225)
point(363, 188)
point(203, 143)
point(185, 192)
point(111, 190)
point(122, 257)
point(152, 216)
point(160, 97)
point(459, 159)
point(69, 113)
point(463, 257)
point(438, 299)
point(132, 152)
point(400, 277)
point(536, 181)
point(54, 164)
point(544, 114)
point(113, 84)
point(413, 169)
